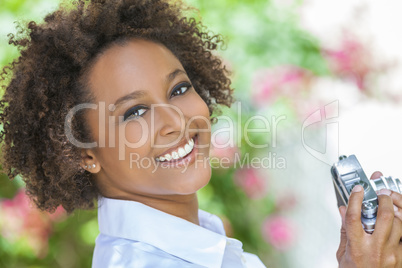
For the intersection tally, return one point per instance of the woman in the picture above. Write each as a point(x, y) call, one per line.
point(112, 100)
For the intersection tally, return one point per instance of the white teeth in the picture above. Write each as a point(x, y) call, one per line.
point(181, 152)
point(187, 148)
point(175, 155)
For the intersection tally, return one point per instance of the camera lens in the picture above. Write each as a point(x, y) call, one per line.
point(391, 183)
point(378, 184)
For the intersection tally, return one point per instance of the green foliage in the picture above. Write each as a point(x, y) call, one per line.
point(13, 12)
point(259, 35)
point(71, 245)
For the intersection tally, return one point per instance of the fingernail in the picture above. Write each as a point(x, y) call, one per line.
point(357, 188)
point(384, 192)
point(395, 208)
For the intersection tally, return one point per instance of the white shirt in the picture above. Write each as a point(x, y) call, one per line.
point(135, 235)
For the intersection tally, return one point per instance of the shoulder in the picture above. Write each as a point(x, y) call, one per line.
point(211, 222)
point(118, 252)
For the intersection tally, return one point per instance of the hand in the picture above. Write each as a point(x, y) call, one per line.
point(396, 197)
point(380, 249)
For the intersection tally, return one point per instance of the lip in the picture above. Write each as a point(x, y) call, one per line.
point(188, 159)
point(181, 144)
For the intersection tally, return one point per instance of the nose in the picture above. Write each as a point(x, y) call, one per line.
point(169, 119)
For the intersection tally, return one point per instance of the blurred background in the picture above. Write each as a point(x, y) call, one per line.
point(324, 78)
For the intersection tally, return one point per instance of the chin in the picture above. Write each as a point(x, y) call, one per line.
point(192, 187)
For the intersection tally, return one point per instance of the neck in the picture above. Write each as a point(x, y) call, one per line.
point(185, 207)
point(182, 206)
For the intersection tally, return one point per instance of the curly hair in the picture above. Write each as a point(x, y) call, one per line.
point(48, 79)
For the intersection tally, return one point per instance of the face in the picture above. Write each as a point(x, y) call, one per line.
point(147, 111)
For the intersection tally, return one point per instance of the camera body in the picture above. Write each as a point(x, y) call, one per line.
point(346, 174)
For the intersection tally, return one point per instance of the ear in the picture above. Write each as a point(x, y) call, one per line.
point(89, 161)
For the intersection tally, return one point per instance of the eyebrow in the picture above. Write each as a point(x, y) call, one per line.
point(141, 93)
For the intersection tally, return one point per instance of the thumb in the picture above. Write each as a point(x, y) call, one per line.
point(344, 239)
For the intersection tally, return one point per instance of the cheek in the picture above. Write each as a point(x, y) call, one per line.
point(134, 133)
point(196, 107)
point(203, 113)
point(133, 140)
point(124, 142)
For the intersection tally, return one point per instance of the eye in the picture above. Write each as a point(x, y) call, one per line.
point(135, 112)
point(181, 89)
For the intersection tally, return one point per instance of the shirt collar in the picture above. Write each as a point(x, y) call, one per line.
point(176, 236)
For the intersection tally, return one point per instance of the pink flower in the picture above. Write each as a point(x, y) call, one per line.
point(352, 60)
point(278, 81)
point(252, 183)
point(279, 232)
point(58, 215)
point(19, 220)
point(223, 156)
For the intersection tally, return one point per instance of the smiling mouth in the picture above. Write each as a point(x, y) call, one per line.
point(178, 154)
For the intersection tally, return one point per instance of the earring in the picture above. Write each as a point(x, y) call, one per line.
point(89, 166)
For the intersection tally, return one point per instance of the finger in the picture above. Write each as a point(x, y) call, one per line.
point(396, 199)
point(376, 175)
point(398, 212)
point(399, 253)
point(396, 232)
point(385, 218)
point(342, 244)
point(353, 223)
point(342, 211)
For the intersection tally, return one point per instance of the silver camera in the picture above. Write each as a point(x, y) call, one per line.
point(346, 173)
